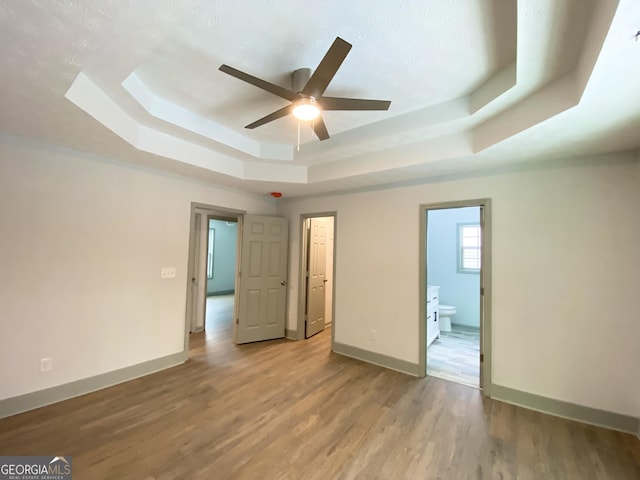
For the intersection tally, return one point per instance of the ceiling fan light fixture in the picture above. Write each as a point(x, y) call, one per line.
point(307, 92)
point(306, 109)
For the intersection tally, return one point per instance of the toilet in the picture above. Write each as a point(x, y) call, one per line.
point(445, 312)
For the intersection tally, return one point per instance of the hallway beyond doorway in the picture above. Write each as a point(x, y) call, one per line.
point(218, 328)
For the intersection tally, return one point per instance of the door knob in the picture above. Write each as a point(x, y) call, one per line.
point(283, 283)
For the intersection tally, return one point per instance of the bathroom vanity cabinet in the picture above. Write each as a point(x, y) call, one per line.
point(433, 323)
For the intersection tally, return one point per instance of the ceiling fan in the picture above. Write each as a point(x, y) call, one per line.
point(306, 95)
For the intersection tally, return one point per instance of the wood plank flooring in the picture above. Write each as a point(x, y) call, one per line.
point(294, 410)
point(455, 356)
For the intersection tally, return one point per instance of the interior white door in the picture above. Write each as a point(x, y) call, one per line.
point(328, 285)
point(316, 275)
point(262, 279)
point(195, 274)
point(482, 279)
point(201, 273)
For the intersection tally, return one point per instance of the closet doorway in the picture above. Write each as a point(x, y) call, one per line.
point(317, 271)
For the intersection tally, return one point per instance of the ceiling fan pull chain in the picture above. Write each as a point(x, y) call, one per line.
point(298, 135)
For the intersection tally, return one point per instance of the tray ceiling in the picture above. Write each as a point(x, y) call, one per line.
point(473, 84)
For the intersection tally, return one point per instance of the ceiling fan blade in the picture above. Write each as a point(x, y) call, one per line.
point(328, 67)
point(334, 103)
point(258, 82)
point(320, 129)
point(283, 112)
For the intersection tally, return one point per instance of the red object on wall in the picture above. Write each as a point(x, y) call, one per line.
point(276, 194)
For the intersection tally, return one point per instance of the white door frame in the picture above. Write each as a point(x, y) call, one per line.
point(208, 211)
point(198, 277)
point(485, 286)
point(302, 286)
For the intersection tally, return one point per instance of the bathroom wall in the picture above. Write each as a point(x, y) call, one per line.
point(461, 290)
point(224, 257)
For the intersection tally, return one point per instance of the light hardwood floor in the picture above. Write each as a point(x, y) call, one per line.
point(455, 356)
point(294, 410)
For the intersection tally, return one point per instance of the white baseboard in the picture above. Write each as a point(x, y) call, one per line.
point(403, 366)
point(41, 398)
point(571, 411)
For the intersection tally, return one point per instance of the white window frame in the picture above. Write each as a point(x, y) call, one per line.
point(462, 268)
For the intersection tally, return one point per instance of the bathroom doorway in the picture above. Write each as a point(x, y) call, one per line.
point(453, 314)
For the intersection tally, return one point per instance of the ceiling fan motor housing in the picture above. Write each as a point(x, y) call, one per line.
point(299, 79)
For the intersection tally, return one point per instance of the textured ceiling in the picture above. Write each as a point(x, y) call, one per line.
point(287, 35)
point(473, 84)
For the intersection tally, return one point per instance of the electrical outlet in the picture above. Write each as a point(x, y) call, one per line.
point(168, 272)
point(372, 334)
point(46, 364)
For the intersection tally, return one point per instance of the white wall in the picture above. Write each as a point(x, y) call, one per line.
point(83, 242)
point(565, 275)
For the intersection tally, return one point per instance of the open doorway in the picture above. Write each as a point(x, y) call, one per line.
point(212, 273)
point(222, 240)
point(317, 270)
point(259, 295)
point(455, 253)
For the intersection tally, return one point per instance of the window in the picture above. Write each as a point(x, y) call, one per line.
point(469, 247)
point(212, 236)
